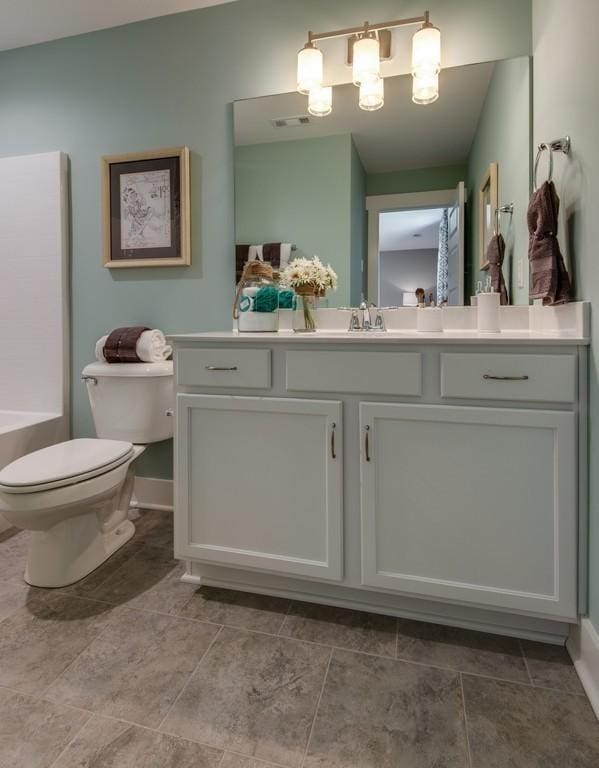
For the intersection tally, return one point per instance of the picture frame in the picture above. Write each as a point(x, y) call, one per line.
point(488, 201)
point(146, 209)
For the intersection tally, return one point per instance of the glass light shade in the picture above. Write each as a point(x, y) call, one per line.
point(425, 89)
point(309, 69)
point(320, 101)
point(372, 94)
point(426, 52)
point(367, 62)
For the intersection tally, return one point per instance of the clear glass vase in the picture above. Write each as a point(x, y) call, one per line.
point(304, 314)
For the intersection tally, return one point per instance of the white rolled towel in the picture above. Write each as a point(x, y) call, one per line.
point(151, 347)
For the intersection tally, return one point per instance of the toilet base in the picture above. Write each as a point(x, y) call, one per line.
point(71, 550)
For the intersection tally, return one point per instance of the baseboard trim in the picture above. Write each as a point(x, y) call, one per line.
point(583, 647)
point(153, 493)
point(370, 606)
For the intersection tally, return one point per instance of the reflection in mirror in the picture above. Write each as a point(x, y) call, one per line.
point(397, 199)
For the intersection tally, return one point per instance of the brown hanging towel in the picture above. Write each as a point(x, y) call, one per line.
point(549, 279)
point(241, 256)
point(121, 344)
point(495, 255)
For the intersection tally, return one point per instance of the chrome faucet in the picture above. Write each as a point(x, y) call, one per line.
point(362, 318)
point(366, 316)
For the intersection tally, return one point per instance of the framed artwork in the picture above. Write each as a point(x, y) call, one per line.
point(488, 197)
point(145, 209)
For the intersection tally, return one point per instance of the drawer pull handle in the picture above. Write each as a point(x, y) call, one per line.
point(491, 377)
point(367, 442)
point(333, 451)
point(221, 367)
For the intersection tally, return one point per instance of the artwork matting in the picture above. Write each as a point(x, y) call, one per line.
point(145, 209)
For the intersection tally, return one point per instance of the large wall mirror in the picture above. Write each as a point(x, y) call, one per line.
point(392, 198)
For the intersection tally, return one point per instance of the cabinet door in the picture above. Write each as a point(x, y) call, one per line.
point(476, 505)
point(259, 483)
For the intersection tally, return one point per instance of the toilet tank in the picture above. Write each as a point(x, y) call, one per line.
point(130, 401)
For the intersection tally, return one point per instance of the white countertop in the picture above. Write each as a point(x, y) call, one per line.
point(388, 337)
point(568, 324)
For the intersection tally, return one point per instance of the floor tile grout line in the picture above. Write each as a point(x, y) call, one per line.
point(133, 556)
point(41, 697)
point(285, 617)
point(525, 660)
point(186, 683)
point(463, 696)
point(157, 732)
point(44, 693)
point(324, 680)
point(71, 741)
point(125, 606)
point(258, 760)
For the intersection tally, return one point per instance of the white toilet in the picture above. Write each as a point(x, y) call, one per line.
point(74, 496)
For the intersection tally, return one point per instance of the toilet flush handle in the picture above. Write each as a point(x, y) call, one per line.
point(169, 412)
point(91, 379)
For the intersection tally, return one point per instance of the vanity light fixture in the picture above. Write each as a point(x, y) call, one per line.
point(309, 68)
point(372, 94)
point(425, 88)
point(366, 46)
point(320, 101)
point(426, 63)
point(367, 58)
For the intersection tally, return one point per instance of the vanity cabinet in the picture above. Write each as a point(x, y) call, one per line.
point(259, 483)
point(435, 480)
point(470, 504)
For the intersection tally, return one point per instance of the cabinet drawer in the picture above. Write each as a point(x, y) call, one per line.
point(243, 368)
point(379, 373)
point(537, 378)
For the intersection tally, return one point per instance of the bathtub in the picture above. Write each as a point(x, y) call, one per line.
point(22, 432)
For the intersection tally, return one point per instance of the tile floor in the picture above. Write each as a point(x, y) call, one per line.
point(131, 668)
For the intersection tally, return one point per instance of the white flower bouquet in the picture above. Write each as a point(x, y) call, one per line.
point(309, 278)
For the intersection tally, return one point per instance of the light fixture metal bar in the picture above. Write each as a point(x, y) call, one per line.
point(312, 36)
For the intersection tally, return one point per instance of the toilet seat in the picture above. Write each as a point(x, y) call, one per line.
point(64, 464)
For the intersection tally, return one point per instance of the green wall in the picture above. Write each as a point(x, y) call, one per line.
point(171, 81)
point(299, 192)
point(566, 101)
point(416, 180)
point(503, 135)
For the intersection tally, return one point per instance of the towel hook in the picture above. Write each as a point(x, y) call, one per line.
point(557, 145)
point(509, 208)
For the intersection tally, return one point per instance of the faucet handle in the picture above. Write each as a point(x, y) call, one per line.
point(354, 323)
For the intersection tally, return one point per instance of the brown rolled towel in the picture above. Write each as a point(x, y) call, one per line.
point(121, 344)
point(549, 279)
point(495, 255)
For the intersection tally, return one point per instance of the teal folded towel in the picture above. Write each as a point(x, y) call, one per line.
point(267, 299)
point(286, 299)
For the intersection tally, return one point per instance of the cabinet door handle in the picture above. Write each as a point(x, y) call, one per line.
point(333, 451)
point(221, 367)
point(490, 376)
point(367, 442)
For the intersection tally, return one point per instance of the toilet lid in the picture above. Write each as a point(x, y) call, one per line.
point(64, 463)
